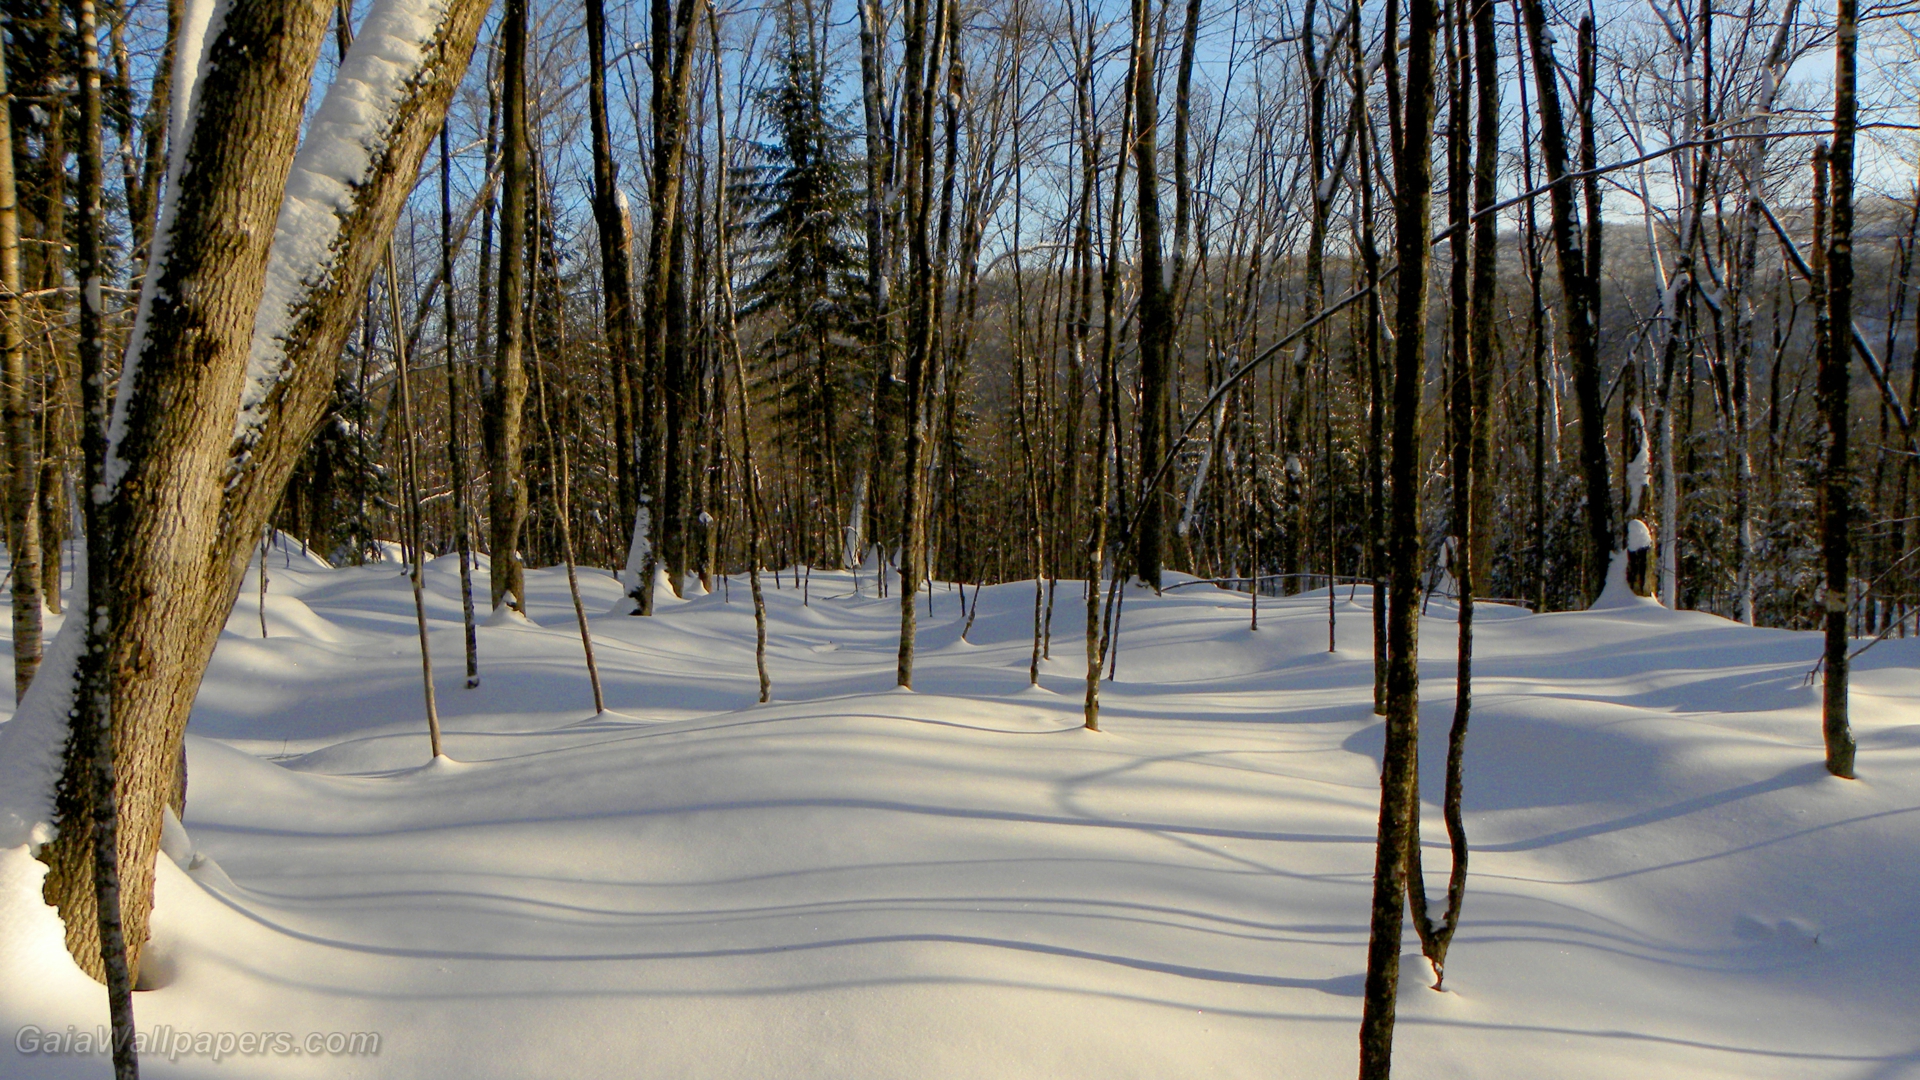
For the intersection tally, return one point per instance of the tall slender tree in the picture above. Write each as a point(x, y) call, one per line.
point(505, 405)
point(1410, 119)
point(1836, 509)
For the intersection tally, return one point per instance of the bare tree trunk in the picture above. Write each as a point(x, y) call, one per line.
point(1578, 293)
point(756, 528)
point(142, 214)
point(1156, 307)
point(1362, 122)
point(456, 394)
point(1104, 448)
point(869, 500)
point(673, 71)
point(923, 63)
point(616, 263)
point(23, 526)
point(1473, 344)
point(186, 498)
point(90, 718)
point(1486, 255)
point(505, 404)
point(558, 457)
point(1836, 511)
point(410, 492)
point(1411, 117)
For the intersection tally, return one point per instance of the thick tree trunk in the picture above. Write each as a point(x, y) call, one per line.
point(178, 407)
point(187, 497)
point(1486, 254)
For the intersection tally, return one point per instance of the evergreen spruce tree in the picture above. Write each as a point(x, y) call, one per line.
point(803, 202)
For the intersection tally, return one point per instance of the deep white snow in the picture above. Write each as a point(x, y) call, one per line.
point(959, 882)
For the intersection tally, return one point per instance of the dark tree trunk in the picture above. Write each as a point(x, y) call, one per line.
point(1578, 293)
point(672, 75)
point(501, 425)
point(616, 262)
point(91, 717)
point(1410, 111)
point(456, 396)
point(923, 63)
point(1836, 512)
point(1156, 307)
point(1471, 303)
point(23, 524)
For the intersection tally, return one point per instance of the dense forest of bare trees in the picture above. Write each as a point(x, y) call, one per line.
point(1516, 302)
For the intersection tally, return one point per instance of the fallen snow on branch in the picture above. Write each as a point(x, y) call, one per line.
point(343, 146)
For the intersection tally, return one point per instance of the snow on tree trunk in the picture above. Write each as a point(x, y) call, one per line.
point(187, 499)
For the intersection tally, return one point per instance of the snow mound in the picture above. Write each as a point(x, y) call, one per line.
point(1617, 595)
point(961, 881)
point(287, 616)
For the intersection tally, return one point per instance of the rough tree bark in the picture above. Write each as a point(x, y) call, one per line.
point(188, 497)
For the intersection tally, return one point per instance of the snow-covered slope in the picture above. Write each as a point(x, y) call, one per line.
point(960, 882)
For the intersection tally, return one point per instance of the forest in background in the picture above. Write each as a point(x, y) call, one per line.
point(1037, 302)
point(1486, 299)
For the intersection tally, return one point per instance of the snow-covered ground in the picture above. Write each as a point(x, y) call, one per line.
point(856, 881)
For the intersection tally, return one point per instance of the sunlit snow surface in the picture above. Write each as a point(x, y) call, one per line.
point(959, 882)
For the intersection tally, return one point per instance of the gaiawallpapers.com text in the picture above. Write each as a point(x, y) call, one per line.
point(173, 1043)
